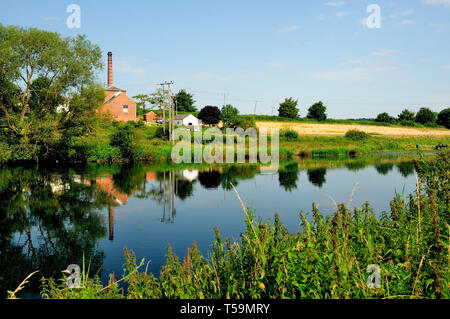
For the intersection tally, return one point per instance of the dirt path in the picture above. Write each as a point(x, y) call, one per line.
point(341, 129)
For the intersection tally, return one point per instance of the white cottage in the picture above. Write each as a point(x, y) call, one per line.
point(188, 120)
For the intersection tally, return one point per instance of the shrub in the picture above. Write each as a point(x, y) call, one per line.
point(289, 135)
point(356, 135)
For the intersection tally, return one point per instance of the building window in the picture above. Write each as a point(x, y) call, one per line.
point(125, 109)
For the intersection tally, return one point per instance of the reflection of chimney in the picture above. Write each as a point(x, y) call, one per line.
point(110, 70)
point(111, 223)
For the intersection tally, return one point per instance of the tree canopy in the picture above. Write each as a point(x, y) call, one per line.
point(209, 115)
point(426, 116)
point(229, 115)
point(317, 111)
point(185, 101)
point(48, 92)
point(444, 118)
point(288, 108)
point(406, 115)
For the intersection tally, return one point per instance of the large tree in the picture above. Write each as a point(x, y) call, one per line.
point(317, 111)
point(185, 101)
point(406, 115)
point(49, 94)
point(426, 116)
point(229, 115)
point(209, 115)
point(288, 108)
point(444, 118)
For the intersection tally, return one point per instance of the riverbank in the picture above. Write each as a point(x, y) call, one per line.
point(327, 258)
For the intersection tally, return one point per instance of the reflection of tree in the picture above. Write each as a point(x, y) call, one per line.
point(355, 165)
point(406, 168)
point(47, 222)
point(317, 176)
point(384, 169)
point(184, 189)
point(209, 179)
point(288, 177)
point(234, 173)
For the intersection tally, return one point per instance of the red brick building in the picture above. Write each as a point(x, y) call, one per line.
point(117, 103)
point(150, 117)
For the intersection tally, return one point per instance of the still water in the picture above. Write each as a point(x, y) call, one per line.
point(50, 218)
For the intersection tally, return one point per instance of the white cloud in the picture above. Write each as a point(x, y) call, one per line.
point(438, 24)
point(447, 67)
point(401, 14)
point(288, 29)
point(334, 3)
point(385, 52)
point(342, 14)
point(125, 67)
point(446, 3)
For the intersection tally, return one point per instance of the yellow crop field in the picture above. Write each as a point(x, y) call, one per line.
point(309, 129)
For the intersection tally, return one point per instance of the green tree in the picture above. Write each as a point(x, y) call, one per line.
point(385, 118)
point(444, 118)
point(406, 115)
point(288, 108)
point(143, 99)
point(426, 116)
point(185, 101)
point(229, 115)
point(51, 94)
point(317, 111)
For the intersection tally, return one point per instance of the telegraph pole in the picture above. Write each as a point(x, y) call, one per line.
point(224, 99)
point(164, 107)
point(254, 112)
point(170, 110)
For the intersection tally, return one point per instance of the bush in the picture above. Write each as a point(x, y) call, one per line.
point(288, 108)
point(289, 135)
point(356, 135)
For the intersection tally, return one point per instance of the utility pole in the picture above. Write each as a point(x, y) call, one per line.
point(254, 112)
point(164, 107)
point(170, 110)
point(224, 99)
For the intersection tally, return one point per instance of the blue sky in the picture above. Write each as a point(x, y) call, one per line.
point(267, 50)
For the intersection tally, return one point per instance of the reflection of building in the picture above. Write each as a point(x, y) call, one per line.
point(189, 175)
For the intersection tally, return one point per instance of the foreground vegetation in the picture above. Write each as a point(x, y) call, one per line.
point(327, 258)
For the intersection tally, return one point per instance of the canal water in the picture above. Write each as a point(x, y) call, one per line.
point(50, 218)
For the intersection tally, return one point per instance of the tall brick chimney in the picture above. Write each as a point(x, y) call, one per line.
point(110, 70)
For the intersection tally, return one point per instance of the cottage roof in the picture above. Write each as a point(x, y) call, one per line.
point(181, 117)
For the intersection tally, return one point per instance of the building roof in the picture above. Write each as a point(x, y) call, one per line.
point(114, 88)
point(181, 117)
point(113, 97)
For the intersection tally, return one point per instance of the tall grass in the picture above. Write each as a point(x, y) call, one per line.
point(326, 258)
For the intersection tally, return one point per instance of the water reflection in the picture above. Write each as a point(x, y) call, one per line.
point(50, 218)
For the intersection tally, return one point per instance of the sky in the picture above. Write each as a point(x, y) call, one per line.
point(259, 52)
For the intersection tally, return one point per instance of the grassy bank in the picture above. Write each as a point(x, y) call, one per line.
point(139, 142)
point(327, 257)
